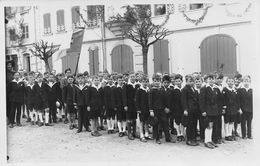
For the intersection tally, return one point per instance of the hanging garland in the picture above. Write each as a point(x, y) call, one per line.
point(196, 21)
point(170, 10)
point(230, 14)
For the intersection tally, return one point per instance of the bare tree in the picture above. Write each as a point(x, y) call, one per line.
point(137, 25)
point(43, 51)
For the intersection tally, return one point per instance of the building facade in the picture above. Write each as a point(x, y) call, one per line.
point(204, 38)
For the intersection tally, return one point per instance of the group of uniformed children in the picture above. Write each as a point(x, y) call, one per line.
point(128, 104)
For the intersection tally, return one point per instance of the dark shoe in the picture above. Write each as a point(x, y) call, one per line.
point(109, 132)
point(243, 137)
point(40, 124)
point(148, 138)
point(19, 124)
point(48, 124)
point(54, 121)
point(196, 143)
point(158, 141)
point(60, 120)
point(66, 121)
point(78, 131)
point(135, 136)
point(28, 120)
point(88, 129)
point(143, 139)
point(250, 137)
point(97, 134)
point(24, 116)
point(219, 141)
point(182, 138)
point(130, 136)
point(102, 128)
point(71, 127)
point(120, 134)
point(11, 126)
point(234, 138)
point(213, 144)
point(171, 141)
point(32, 123)
point(125, 133)
point(208, 145)
point(179, 139)
point(229, 138)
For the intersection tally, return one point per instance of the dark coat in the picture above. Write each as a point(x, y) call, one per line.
point(230, 101)
point(109, 97)
point(157, 100)
point(208, 99)
point(80, 96)
point(119, 98)
point(31, 94)
point(67, 94)
point(129, 97)
point(190, 100)
point(54, 93)
point(176, 102)
point(41, 93)
point(95, 98)
point(142, 103)
point(16, 91)
point(245, 99)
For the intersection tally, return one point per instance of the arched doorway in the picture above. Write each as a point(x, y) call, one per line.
point(218, 53)
point(122, 59)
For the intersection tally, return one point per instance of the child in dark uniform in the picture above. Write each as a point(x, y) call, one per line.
point(190, 104)
point(158, 110)
point(54, 95)
point(109, 101)
point(209, 108)
point(67, 97)
point(231, 108)
point(94, 105)
point(142, 106)
point(15, 92)
point(129, 91)
point(121, 113)
point(245, 98)
point(80, 102)
point(177, 106)
point(31, 99)
point(42, 98)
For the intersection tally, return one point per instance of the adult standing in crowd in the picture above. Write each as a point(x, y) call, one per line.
point(9, 78)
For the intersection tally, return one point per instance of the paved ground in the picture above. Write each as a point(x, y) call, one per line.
point(59, 144)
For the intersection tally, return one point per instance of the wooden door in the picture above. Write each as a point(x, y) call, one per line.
point(93, 61)
point(122, 59)
point(218, 53)
point(161, 56)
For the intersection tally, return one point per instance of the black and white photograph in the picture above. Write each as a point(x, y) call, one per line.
point(121, 82)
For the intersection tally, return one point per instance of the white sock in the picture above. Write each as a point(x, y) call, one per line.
point(146, 128)
point(239, 128)
point(124, 126)
point(208, 135)
point(36, 115)
point(40, 117)
point(47, 117)
point(108, 124)
point(181, 130)
point(178, 130)
point(119, 124)
point(31, 115)
point(230, 128)
point(112, 124)
point(141, 130)
point(226, 129)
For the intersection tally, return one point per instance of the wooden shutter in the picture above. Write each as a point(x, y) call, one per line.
point(116, 59)
point(156, 54)
point(218, 53)
point(164, 56)
point(75, 15)
point(127, 59)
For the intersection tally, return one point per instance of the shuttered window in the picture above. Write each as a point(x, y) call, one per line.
point(47, 23)
point(75, 17)
point(60, 21)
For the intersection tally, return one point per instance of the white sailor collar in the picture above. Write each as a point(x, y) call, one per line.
point(212, 87)
point(231, 89)
point(96, 87)
point(130, 83)
point(145, 89)
point(81, 87)
point(118, 86)
point(51, 84)
point(176, 87)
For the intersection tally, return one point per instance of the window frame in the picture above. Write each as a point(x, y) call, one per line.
point(47, 23)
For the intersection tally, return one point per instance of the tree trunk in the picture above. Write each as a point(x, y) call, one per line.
point(145, 52)
point(47, 66)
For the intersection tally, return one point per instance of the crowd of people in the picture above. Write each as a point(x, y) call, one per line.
point(132, 105)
